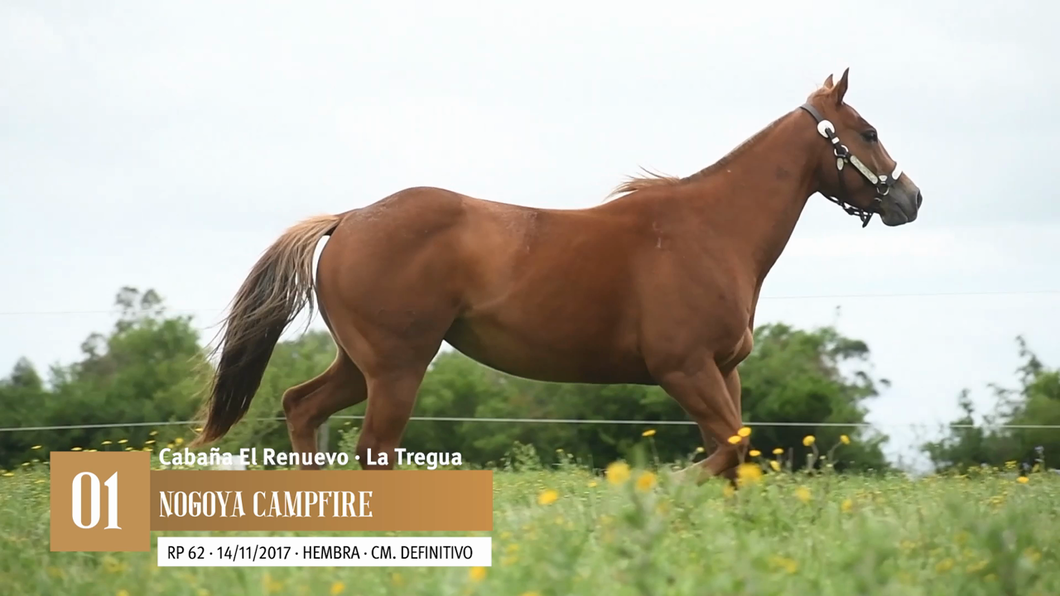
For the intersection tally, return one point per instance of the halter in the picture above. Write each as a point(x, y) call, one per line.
point(881, 182)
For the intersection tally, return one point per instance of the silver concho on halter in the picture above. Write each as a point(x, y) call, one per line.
point(825, 128)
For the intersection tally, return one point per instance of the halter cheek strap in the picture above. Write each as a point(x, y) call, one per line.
point(881, 182)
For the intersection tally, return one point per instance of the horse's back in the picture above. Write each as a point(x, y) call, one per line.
point(498, 281)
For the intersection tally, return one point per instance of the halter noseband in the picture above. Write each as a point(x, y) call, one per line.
point(881, 182)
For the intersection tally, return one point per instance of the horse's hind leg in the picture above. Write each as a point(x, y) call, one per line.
point(391, 397)
point(308, 405)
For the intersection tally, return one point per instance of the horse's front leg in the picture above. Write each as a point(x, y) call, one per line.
point(706, 394)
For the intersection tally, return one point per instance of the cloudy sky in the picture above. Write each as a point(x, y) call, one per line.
point(165, 145)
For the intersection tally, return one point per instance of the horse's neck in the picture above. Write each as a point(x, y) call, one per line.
point(757, 196)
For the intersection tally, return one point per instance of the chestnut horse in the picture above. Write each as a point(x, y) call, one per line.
point(658, 286)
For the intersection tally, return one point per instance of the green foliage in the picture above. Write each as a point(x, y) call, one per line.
point(150, 368)
point(797, 376)
point(1036, 401)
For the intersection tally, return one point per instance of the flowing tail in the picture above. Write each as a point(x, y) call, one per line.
point(279, 286)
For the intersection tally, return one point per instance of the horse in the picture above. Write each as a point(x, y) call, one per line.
point(656, 285)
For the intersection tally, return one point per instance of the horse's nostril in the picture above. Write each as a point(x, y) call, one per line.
point(919, 199)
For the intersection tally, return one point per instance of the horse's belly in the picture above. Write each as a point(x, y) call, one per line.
point(547, 352)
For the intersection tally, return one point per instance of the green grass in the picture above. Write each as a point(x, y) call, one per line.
point(981, 533)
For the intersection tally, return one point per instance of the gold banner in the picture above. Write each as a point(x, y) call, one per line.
point(111, 501)
point(322, 500)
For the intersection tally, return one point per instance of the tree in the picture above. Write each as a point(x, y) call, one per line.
point(1035, 401)
point(797, 376)
point(149, 368)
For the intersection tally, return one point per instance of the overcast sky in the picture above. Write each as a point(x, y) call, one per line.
point(166, 145)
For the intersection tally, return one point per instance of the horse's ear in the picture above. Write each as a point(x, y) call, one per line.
point(840, 88)
point(828, 82)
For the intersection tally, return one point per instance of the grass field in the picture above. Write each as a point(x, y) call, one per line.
point(565, 531)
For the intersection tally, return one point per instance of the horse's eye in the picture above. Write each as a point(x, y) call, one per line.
point(870, 136)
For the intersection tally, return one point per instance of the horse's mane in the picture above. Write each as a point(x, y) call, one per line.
point(652, 179)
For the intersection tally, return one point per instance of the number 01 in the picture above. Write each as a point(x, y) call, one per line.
point(112, 501)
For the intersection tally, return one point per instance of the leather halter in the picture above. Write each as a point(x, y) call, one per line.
point(881, 182)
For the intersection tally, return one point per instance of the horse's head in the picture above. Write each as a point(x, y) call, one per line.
point(855, 169)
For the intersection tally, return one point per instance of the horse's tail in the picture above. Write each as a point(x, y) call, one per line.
point(279, 286)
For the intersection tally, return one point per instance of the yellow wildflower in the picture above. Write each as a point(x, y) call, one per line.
point(178, 441)
point(744, 432)
point(75, 449)
point(107, 442)
point(1023, 480)
point(808, 440)
point(123, 592)
point(785, 563)
point(592, 484)
point(270, 584)
point(35, 447)
point(123, 441)
point(648, 433)
point(778, 451)
point(728, 491)
point(645, 481)
point(153, 433)
point(754, 453)
point(775, 465)
point(844, 439)
point(477, 574)
point(700, 449)
point(944, 565)
point(112, 565)
point(547, 497)
point(847, 506)
point(734, 440)
point(748, 473)
point(803, 494)
point(617, 472)
point(977, 566)
point(337, 588)
point(397, 579)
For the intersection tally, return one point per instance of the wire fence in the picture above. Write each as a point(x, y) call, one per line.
point(551, 421)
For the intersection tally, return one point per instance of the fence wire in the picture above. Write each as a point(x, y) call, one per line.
point(548, 421)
